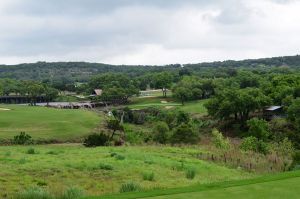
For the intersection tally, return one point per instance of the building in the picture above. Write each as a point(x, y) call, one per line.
point(272, 112)
point(97, 92)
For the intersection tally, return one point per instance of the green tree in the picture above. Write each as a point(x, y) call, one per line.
point(114, 125)
point(184, 133)
point(258, 128)
point(182, 93)
point(50, 93)
point(294, 113)
point(237, 103)
point(161, 132)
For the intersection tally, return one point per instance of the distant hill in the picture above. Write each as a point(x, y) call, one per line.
point(82, 71)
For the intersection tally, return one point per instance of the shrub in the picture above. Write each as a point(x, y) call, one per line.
point(190, 173)
point(120, 157)
point(22, 139)
point(130, 187)
point(71, 193)
point(258, 128)
point(148, 161)
point(113, 154)
point(249, 144)
point(149, 176)
point(96, 140)
point(31, 151)
point(184, 134)
point(52, 153)
point(285, 148)
point(182, 117)
point(34, 193)
point(139, 117)
point(41, 183)
point(105, 166)
point(22, 161)
point(253, 144)
point(219, 141)
point(161, 132)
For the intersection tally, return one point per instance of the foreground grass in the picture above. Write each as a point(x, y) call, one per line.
point(283, 185)
point(103, 170)
point(46, 123)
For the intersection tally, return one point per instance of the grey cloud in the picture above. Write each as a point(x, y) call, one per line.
point(143, 31)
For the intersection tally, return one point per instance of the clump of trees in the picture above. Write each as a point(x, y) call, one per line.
point(28, 88)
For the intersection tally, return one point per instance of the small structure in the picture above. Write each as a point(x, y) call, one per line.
point(272, 112)
point(96, 92)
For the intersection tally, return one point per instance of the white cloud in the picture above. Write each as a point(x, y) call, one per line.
point(131, 32)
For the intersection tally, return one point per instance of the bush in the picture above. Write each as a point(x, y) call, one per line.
point(22, 139)
point(219, 141)
point(34, 193)
point(105, 166)
point(52, 153)
point(253, 144)
point(161, 133)
point(96, 140)
point(182, 117)
point(149, 176)
point(113, 154)
point(41, 183)
point(249, 144)
point(130, 187)
point(190, 173)
point(184, 134)
point(31, 151)
point(258, 128)
point(120, 157)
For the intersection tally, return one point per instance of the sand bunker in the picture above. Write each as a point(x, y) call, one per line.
point(4, 109)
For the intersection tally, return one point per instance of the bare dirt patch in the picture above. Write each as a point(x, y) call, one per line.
point(4, 109)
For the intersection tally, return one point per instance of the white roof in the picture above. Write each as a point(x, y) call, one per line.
point(272, 108)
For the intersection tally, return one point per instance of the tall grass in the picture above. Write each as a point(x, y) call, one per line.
point(34, 193)
point(190, 173)
point(39, 193)
point(130, 187)
point(149, 176)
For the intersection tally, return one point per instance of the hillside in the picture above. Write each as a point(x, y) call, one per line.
point(104, 169)
point(82, 71)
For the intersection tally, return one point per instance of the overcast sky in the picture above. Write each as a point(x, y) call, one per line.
point(147, 31)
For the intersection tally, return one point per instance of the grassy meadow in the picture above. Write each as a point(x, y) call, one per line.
point(46, 123)
point(103, 170)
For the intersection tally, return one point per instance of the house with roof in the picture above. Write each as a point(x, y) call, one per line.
point(272, 112)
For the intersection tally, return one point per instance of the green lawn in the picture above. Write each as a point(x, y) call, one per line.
point(168, 103)
point(195, 107)
point(57, 167)
point(283, 185)
point(46, 123)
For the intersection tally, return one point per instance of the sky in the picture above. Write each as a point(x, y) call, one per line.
point(149, 32)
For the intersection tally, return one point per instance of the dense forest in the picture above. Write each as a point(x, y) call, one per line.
point(81, 71)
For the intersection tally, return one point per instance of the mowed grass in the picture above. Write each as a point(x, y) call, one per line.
point(288, 188)
point(101, 170)
point(194, 107)
point(283, 185)
point(46, 123)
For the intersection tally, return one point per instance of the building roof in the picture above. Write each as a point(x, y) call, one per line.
point(273, 108)
point(98, 92)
